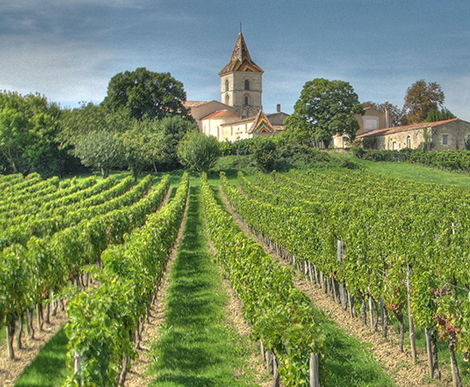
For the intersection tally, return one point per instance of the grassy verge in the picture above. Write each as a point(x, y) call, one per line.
point(409, 171)
point(49, 368)
point(198, 346)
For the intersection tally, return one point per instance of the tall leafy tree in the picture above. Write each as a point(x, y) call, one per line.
point(143, 146)
point(439, 115)
point(28, 127)
point(91, 134)
point(147, 95)
point(420, 98)
point(198, 151)
point(325, 108)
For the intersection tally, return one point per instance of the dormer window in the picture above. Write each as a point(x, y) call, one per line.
point(247, 84)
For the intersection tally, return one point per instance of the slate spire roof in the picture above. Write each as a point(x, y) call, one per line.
point(241, 60)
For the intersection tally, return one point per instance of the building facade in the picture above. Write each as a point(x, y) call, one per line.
point(440, 135)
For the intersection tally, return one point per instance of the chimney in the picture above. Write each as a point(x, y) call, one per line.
point(278, 108)
point(387, 118)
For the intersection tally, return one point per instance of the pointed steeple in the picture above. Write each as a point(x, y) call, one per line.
point(241, 60)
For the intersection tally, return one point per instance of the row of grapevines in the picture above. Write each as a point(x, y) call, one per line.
point(49, 222)
point(281, 316)
point(31, 275)
point(106, 321)
point(16, 186)
point(42, 188)
point(395, 234)
point(33, 204)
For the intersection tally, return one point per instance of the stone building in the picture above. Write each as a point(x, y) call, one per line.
point(240, 113)
point(440, 135)
point(371, 120)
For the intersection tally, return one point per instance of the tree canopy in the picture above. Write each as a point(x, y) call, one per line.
point(147, 95)
point(198, 151)
point(28, 126)
point(90, 133)
point(420, 98)
point(325, 108)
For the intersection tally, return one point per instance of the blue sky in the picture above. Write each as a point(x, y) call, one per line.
point(69, 50)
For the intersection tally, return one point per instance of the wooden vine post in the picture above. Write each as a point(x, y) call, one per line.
point(314, 371)
point(410, 317)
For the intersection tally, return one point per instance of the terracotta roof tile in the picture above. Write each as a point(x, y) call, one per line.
point(220, 114)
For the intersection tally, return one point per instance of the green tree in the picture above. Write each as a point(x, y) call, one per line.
point(420, 98)
point(265, 154)
point(91, 134)
point(198, 151)
point(147, 95)
point(439, 115)
point(173, 129)
point(143, 145)
point(28, 127)
point(325, 108)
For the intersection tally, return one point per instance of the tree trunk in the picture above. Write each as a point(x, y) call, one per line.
point(363, 310)
point(47, 317)
point(124, 369)
point(29, 323)
point(10, 333)
point(19, 333)
point(39, 316)
point(385, 321)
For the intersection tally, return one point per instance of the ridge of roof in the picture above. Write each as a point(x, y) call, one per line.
point(220, 113)
point(405, 128)
point(241, 59)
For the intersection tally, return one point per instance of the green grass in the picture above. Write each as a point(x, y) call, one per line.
point(348, 362)
point(198, 346)
point(49, 368)
point(408, 171)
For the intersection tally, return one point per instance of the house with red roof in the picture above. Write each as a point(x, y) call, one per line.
point(439, 135)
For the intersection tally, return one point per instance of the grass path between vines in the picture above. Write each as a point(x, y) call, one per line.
point(199, 344)
point(355, 352)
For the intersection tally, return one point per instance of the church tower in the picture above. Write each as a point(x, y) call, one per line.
point(240, 81)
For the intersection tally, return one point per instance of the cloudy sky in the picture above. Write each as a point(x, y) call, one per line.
point(68, 50)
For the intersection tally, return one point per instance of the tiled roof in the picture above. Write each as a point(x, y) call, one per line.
point(220, 114)
point(261, 124)
point(404, 128)
point(241, 60)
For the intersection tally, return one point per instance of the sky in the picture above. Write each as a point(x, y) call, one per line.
point(68, 50)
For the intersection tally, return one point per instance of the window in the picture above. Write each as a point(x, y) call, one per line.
point(345, 141)
point(227, 99)
point(408, 142)
point(394, 145)
point(247, 84)
point(399, 145)
point(445, 139)
point(226, 85)
point(246, 101)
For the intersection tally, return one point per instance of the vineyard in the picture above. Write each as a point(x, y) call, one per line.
point(394, 254)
